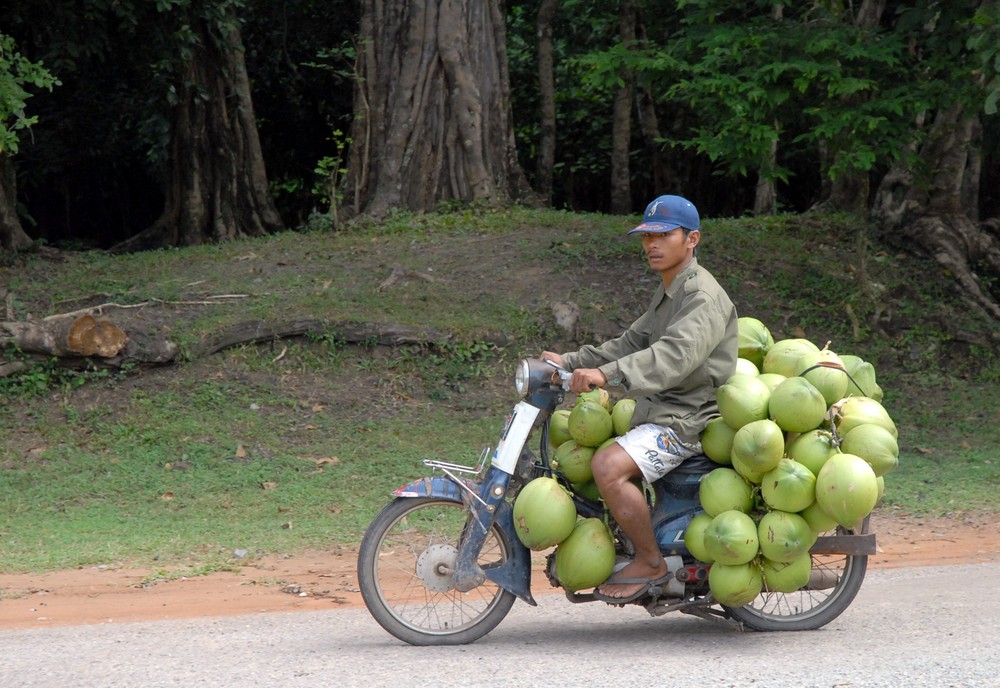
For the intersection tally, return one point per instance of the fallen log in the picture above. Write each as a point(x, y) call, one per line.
point(385, 334)
point(65, 336)
point(80, 338)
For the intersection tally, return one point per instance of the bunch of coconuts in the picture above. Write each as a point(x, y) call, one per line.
point(803, 444)
point(544, 512)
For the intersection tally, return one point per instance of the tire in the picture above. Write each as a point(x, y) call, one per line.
point(404, 574)
point(815, 605)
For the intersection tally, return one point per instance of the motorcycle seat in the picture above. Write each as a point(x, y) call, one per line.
point(699, 464)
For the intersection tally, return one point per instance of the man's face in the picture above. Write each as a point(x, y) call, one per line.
point(667, 251)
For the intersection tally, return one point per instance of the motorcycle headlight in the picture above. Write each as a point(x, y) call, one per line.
point(521, 378)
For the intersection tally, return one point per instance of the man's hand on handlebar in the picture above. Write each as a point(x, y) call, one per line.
point(583, 380)
point(586, 379)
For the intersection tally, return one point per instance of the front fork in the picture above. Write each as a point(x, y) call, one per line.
point(488, 506)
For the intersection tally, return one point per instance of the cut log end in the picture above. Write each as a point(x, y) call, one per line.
point(91, 337)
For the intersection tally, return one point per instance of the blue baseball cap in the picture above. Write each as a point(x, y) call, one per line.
point(667, 213)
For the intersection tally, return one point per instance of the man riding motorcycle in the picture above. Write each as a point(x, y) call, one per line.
point(672, 359)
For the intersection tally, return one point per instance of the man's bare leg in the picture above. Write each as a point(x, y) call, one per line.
point(613, 471)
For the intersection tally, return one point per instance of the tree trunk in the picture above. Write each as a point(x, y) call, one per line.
point(649, 124)
point(765, 200)
point(848, 192)
point(545, 166)
point(621, 126)
point(432, 108)
point(12, 235)
point(870, 13)
point(933, 210)
point(216, 184)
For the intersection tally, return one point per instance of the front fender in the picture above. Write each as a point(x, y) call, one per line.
point(514, 574)
point(437, 486)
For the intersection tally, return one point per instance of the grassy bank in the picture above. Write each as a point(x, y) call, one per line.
point(295, 443)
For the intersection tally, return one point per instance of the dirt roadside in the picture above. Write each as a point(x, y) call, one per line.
point(327, 580)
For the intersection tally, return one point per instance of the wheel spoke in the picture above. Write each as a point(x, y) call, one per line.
point(833, 583)
point(410, 574)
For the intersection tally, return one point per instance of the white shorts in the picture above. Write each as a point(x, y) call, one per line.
point(656, 450)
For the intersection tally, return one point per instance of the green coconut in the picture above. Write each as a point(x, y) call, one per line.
point(825, 370)
point(772, 380)
point(717, 441)
point(878, 394)
point(796, 405)
point(723, 489)
point(874, 444)
point(731, 538)
point(784, 536)
point(812, 449)
point(621, 415)
point(860, 377)
point(588, 490)
point(742, 399)
point(694, 537)
point(754, 340)
point(599, 395)
point(586, 558)
point(789, 486)
point(745, 468)
point(851, 412)
point(559, 427)
point(745, 367)
point(590, 423)
point(544, 514)
point(786, 576)
point(759, 445)
point(819, 521)
point(783, 357)
point(847, 489)
point(573, 460)
point(606, 443)
point(735, 585)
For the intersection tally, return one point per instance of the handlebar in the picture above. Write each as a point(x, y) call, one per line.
point(564, 375)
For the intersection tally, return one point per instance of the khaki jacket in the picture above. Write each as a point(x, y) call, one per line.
point(675, 356)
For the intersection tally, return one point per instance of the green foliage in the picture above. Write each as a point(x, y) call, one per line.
point(759, 81)
point(330, 170)
point(38, 378)
point(583, 98)
point(984, 44)
point(16, 72)
point(734, 79)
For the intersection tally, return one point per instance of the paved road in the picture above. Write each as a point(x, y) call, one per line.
point(910, 627)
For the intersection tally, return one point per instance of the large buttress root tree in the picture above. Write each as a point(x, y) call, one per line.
point(928, 206)
point(432, 109)
point(215, 183)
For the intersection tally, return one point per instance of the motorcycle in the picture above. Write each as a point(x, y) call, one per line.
point(441, 564)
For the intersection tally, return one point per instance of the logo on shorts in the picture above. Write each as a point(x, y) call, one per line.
point(655, 459)
point(663, 441)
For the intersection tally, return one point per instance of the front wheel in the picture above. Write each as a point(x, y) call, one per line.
point(835, 581)
point(405, 566)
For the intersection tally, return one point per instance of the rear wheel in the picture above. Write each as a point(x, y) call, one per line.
point(405, 566)
point(833, 585)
